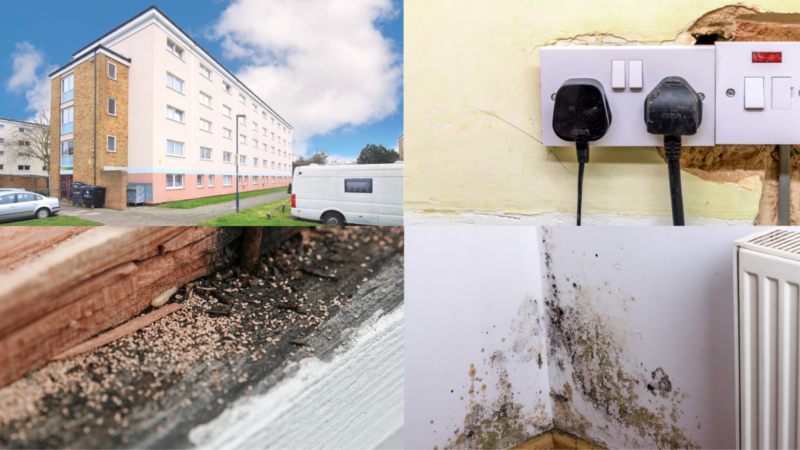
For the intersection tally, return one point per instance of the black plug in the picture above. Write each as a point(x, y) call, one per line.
point(673, 109)
point(581, 115)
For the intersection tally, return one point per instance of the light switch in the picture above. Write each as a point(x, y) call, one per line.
point(781, 93)
point(618, 74)
point(754, 93)
point(635, 69)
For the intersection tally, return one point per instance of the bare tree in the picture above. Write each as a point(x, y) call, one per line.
point(31, 143)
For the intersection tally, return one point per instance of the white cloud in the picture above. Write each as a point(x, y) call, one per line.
point(27, 77)
point(321, 64)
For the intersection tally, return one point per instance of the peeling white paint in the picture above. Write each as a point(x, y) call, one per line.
point(353, 401)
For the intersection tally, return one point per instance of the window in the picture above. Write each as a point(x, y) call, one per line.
point(263, 115)
point(174, 181)
point(264, 131)
point(174, 148)
point(360, 185)
point(68, 88)
point(255, 179)
point(211, 181)
point(199, 181)
point(227, 157)
point(226, 180)
point(24, 144)
point(205, 100)
point(245, 180)
point(241, 120)
point(273, 164)
point(24, 168)
point(273, 150)
point(264, 147)
point(242, 99)
point(273, 136)
point(243, 139)
point(112, 107)
point(264, 163)
point(226, 111)
point(242, 160)
point(66, 154)
point(174, 49)
point(273, 120)
point(255, 126)
point(255, 108)
point(112, 70)
point(273, 180)
point(205, 72)
point(174, 83)
point(205, 153)
point(111, 143)
point(205, 125)
point(255, 143)
point(2, 167)
point(67, 120)
point(226, 87)
point(174, 114)
point(227, 133)
point(255, 162)
point(239, 180)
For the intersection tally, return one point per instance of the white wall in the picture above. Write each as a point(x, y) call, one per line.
point(472, 292)
point(643, 299)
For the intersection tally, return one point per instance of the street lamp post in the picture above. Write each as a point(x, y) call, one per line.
point(237, 159)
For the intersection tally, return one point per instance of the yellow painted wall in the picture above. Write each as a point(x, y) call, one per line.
point(468, 62)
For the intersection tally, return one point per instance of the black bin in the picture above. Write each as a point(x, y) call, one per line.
point(93, 196)
point(77, 197)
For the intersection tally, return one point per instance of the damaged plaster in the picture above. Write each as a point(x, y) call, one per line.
point(589, 359)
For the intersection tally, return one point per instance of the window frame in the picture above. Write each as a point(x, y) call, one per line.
point(202, 68)
point(174, 179)
point(227, 133)
point(70, 77)
point(229, 159)
point(71, 110)
point(176, 110)
point(110, 64)
point(230, 111)
point(183, 149)
point(108, 140)
point(204, 121)
point(70, 152)
point(202, 150)
point(200, 181)
point(110, 99)
point(177, 50)
point(203, 94)
point(211, 180)
point(230, 180)
point(175, 78)
point(371, 186)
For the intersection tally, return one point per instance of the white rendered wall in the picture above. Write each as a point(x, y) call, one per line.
point(649, 299)
point(474, 301)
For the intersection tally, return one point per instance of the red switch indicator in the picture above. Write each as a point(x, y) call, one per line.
point(766, 57)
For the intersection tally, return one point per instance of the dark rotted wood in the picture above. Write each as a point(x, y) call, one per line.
point(165, 422)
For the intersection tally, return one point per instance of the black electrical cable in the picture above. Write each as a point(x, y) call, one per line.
point(583, 157)
point(672, 152)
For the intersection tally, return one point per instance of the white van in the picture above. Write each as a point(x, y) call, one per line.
point(368, 194)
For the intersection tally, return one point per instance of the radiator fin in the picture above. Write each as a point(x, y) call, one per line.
point(769, 346)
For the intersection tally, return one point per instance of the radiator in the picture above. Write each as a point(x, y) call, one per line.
point(767, 272)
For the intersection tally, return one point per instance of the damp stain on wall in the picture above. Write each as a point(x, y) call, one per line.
point(587, 349)
point(495, 416)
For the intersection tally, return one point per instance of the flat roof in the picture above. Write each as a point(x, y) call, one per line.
point(3, 119)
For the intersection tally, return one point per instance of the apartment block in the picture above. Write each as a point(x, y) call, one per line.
point(18, 149)
point(146, 105)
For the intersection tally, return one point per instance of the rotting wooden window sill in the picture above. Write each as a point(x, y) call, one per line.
point(555, 439)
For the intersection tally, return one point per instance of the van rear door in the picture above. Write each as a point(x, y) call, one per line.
point(390, 190)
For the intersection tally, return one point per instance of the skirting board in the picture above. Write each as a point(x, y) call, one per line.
point(555, 439)
point(353, 399)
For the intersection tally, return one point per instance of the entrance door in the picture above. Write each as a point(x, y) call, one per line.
point(66, 187)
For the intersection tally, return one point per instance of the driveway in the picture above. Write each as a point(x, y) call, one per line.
point(154, 216)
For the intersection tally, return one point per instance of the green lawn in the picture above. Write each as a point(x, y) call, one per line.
point(195, 203)
point(55, 221)
point(257, 216)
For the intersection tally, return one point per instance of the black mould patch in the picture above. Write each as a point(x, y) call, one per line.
point(583, 348)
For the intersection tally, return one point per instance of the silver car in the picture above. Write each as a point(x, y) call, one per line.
point(26, 205)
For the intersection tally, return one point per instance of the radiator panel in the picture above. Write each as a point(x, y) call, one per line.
point(769, 295)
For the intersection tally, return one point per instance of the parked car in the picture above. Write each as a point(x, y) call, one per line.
point(4, 190)
point(368, 194)
point(26, 205)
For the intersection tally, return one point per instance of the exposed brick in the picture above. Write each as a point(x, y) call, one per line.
point(768, 27)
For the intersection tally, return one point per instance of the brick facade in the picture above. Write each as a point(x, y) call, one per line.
point(87, 119)
point(27, 182)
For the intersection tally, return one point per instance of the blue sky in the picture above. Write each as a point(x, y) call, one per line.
point(59, 28)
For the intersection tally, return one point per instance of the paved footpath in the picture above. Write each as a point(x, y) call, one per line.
point(154, 216)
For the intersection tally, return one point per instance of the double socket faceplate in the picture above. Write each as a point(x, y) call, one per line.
point(628, 74)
